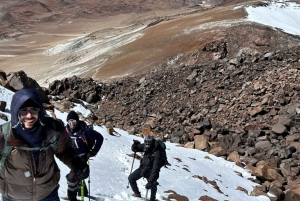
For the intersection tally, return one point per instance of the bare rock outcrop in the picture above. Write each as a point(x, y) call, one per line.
point(19, 80)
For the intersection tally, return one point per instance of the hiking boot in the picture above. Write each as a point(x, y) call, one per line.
point(85, 194)
point(72, 195)
point(138, 195)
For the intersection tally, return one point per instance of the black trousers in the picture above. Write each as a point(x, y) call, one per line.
point(136, 175)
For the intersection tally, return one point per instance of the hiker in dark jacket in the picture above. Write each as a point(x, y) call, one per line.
point(149, 166)
point(86, 142)
point(29, 172)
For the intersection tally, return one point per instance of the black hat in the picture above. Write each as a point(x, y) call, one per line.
point(72, 115)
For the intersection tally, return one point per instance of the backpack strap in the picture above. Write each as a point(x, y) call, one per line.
point(6, 149)
point(53, 140)
point(82, 128)
point(53, 144)
point(5, 152)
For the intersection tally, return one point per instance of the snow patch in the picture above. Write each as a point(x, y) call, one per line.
point(281, 14)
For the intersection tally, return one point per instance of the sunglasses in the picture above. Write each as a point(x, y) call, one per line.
point(148, 144)
point(72, 121)
point(32, 110)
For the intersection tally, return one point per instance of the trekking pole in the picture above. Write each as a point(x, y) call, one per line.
point(131, 167)
point(82, 189)
point(89, 181)
point(146, 198)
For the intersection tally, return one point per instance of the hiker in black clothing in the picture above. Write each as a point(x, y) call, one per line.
point(149, 167)
point(86, 142)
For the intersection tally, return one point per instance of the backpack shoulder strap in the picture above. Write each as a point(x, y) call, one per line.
point(156, 145)
point(6, 149)
point(82, 125)
point(6, 129)
point(53, 144)
point(159, 144)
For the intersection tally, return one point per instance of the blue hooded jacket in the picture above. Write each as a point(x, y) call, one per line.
point(33, 138)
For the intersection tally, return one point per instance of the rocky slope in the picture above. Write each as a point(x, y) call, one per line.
point(243, 107)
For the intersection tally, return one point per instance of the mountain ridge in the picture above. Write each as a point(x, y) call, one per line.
point(121, 32)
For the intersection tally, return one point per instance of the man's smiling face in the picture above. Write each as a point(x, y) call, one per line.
point(29, 116)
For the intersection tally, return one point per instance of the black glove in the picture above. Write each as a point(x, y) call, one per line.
point(80, 168)
point(135, 146)
point(82, 174)
point(149, 185)
point(90, 154)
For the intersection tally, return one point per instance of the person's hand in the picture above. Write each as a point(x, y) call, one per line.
point(81, 169)
point(149, 185)
point(90, 154)
point(135, 145)
point(82, 174)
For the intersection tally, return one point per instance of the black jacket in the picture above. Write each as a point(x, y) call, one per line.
point(151, 162)
point(85, 140)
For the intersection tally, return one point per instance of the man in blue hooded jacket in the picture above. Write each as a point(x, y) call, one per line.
point(29, 172)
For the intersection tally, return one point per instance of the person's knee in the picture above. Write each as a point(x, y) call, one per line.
point(70, 178)
point(72, 184)
point(131, 178)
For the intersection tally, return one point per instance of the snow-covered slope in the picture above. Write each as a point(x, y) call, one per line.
point(281, 15)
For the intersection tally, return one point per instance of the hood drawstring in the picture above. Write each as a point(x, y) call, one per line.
point(42, 124)
point(19, 122)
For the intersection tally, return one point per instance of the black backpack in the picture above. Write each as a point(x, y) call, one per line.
point(161, 146)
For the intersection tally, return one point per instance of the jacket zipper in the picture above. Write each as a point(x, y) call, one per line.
point(34, 190)
point(31, 156)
